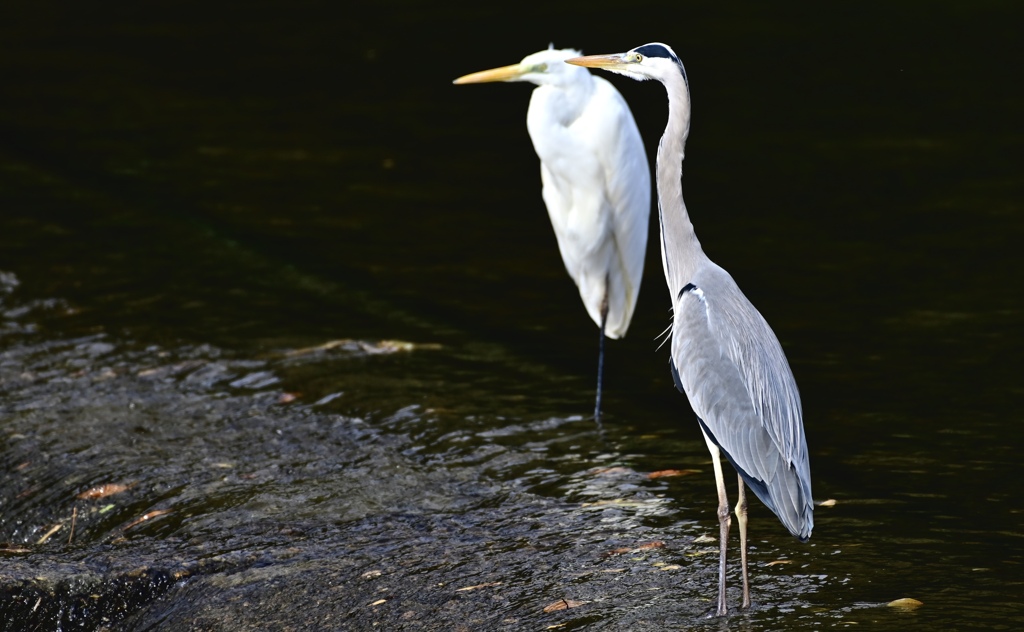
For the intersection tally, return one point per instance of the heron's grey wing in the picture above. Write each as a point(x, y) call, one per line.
point(731, 367)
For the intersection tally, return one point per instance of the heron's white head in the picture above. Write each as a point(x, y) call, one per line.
point(546, 67)
point(650, 61)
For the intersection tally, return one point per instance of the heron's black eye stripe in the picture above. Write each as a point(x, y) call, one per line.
point(659, 50)
point(655, 50)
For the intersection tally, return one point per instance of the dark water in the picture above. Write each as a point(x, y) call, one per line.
point(206, 193)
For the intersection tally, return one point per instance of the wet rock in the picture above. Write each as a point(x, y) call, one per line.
point(153, 488)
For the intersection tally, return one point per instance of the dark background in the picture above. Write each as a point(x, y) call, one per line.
point(269, 176)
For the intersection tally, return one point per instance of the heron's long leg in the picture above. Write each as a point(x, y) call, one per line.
point(600, 358)
point(741, 519)
point(724, 521)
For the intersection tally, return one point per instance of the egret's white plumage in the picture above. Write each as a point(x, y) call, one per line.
point(725, 357)
point(596, 181)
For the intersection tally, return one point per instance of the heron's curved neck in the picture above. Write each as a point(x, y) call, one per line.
point(677, 236)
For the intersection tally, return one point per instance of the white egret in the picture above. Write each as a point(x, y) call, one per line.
point(596, 183)
point(725, 357)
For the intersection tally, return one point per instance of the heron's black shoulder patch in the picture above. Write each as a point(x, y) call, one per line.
point(689, 287)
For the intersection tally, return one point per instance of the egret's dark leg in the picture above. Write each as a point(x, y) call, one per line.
point(741, 519)
point(600, 359)
point(724, 520)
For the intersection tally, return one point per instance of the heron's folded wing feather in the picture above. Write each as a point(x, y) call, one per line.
point(726, 365)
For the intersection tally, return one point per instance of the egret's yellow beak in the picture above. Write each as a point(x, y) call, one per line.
point(605, 62)
point(505, 73)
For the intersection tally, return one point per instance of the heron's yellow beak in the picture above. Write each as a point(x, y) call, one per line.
point(605, 62)
point(505, 73)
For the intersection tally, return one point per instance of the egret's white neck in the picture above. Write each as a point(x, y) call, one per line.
point(565, 97)
point(677, 234)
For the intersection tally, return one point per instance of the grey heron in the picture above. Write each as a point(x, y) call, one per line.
point(724, 356)
point(596, 183)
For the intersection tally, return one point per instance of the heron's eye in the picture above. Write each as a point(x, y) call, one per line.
point(637, 57)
